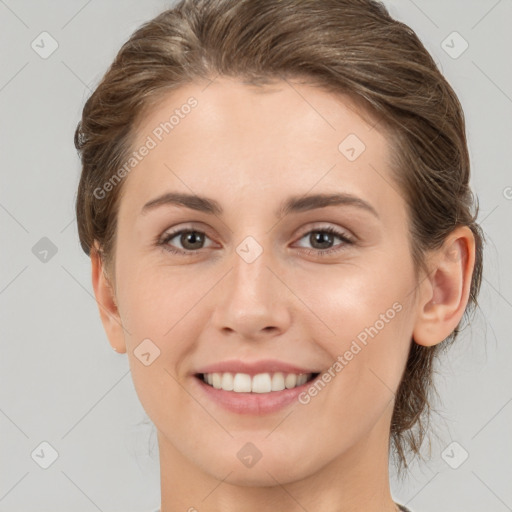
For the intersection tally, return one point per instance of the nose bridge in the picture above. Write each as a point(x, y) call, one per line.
point(251, 277)
point(250, 301)
point(250, 268)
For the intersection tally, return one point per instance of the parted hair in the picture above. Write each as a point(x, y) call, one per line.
point(349, 47)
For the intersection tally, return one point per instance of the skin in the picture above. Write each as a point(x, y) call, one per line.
point(249, 149)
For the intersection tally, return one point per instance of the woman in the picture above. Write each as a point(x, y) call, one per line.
point(275, 199)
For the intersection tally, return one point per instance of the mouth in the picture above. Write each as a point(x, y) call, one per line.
point(260, 383)
point(254, 387)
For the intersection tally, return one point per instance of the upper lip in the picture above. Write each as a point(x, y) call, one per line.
point(254, 367)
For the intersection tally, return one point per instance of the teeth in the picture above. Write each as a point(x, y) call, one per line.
point(290, 381)
point(242, 383)
point(259, 383)
point(227, 382)
point(278, 382)
point(302, 379)
point(216, 378)
point(262, 383)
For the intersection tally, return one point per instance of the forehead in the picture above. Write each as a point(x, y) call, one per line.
point(228, 137)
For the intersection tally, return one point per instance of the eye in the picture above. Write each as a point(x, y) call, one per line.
point(190, 239)
point(325, 236)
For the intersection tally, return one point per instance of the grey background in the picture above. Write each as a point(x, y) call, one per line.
point(60, 380)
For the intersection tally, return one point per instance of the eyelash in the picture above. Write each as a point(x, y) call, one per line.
point(163, 243)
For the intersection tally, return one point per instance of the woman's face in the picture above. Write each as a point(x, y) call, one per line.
point(259, 285)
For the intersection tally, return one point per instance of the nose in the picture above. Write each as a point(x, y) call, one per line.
point(253, 300)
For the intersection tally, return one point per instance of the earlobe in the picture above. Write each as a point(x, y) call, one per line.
point(445, 291)
point(106, 300)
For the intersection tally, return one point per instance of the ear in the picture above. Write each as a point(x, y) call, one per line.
point(106, 300)
point(445, 290)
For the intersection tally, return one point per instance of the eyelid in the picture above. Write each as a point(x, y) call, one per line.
point(190, 226)
point(319, 226)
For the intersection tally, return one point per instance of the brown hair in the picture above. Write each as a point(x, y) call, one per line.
point(345, 46)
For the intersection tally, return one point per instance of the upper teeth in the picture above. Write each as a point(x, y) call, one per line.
point(259, 383)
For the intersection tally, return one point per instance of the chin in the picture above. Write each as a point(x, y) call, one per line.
point(264, 476)
point(268, 471)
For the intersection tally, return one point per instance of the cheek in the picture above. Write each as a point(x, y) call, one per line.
point(161, 312)
point(365, 318)
point(160, 339)
point(349, 298)
point(152, 303)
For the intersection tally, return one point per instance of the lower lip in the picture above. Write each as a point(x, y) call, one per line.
point(252, 403)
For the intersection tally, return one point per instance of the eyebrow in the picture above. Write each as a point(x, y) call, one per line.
point(291, 205)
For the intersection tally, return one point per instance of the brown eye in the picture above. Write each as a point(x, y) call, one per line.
point(321, 239)
point(191, 240)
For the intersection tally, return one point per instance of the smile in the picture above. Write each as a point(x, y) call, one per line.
point(259, 394)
